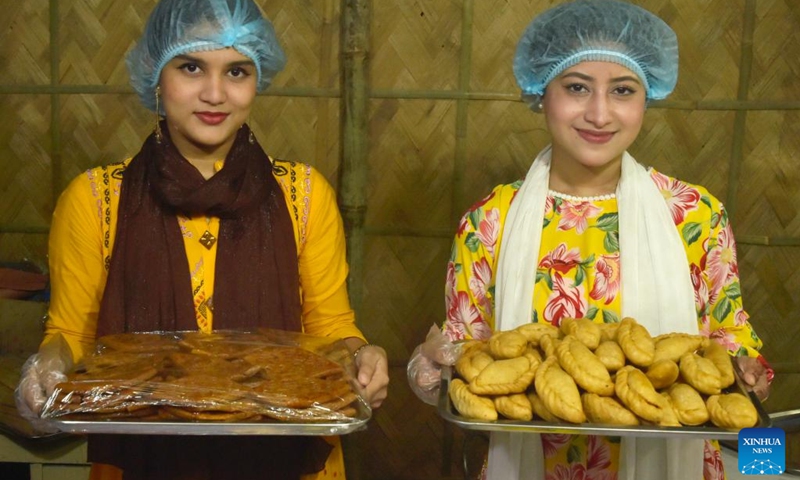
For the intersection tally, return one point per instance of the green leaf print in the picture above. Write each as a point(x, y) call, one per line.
point(472, 242)
point(611, 242)
point(733, 291)
point(722, 309)
point(546, 222)
point(580, 274)
point(574, 454)
point(610, 317)
point(715, 219)
point(592, 312)
point(475, 218)
point(458, 268)
point(691, 232)
point(541, 275)
point(608, 222)
point(706, 200)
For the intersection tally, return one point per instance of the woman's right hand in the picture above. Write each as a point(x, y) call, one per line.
point(39, 377)
point(425, 366)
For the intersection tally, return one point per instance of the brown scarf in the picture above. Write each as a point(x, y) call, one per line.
point(149, 289)
point(257, 280)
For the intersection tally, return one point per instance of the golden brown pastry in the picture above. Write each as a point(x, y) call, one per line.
point(515, 407)
point(535, 331)
point(558, 392)
point(610, 354)
point(585, 330)
point(507, 344)
point(701, 373)
point(588, 371)
point(606, 410)
point(539, 409)
point(722, 360)
point(672, 346)
point(689, 405)
point(670, 418)
point(636, 342)
point(470, 405)
point(662, 373)
point(732, 410)
point(469, 365)
point(548, 345)
point(504, 377)
point(608, 331)
point(637, 393)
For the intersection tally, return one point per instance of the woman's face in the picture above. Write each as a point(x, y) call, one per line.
point(207, 97)
point(594, 112)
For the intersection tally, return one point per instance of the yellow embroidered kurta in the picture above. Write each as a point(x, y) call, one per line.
point(82, 239)
point(579, 276)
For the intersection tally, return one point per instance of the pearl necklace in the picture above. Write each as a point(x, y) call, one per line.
point(575, 199)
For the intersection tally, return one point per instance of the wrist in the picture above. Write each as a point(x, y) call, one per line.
point(358, 351)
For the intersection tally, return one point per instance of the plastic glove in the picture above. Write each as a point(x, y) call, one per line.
point(39, 377)
point(425, 367)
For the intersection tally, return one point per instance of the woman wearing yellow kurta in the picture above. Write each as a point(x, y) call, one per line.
point(201, 230)
point(592, 233)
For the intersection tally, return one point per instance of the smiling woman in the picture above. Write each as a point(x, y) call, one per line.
point(200, 230)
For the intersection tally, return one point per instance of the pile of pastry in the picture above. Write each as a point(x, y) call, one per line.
point(218, 377)
point(614, 374)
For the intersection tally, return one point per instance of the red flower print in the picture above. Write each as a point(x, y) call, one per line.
point(450, 283)
point(548, 205)
point(700, 287)
point(479, 284)
point(560, 259)
point(489, 229)
point(461, 314)
point(607, 280)
point(576, 215)
point(598, 457)
point(740, 317)
point(553, 442)
point(680, 197)
point(565, 301)
point(721, 262)
point(575, 471)
point(713, 468)
point(727, 340)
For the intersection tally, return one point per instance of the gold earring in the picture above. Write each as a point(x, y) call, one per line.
point(158, 115)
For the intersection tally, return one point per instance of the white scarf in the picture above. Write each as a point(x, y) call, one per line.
point(656, 290)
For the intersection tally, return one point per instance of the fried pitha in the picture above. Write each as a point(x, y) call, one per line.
point(600, 409)
point(515, 406)
point(722, 360)
point(535, 331)
point(507, 344)
point(539, 409)
point(636, 392)
point(731, 410)
point(588, 371)
point(662, 373)
point(504, 377)
point(636, 342)
point(470, 364)
point(559, 392)
point(689, 404)
point(470, 405)
point(585, 330)
point(672, 346)
point(701, 373)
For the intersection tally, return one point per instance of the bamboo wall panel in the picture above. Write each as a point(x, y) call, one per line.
point(411, 157)
point(415, 44)
point(25, 43)
point(776, 43)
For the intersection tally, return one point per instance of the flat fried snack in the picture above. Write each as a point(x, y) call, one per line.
point(636, 342)
point(689, 405)
point(606, 410)
point(585, 330)
point(470, 364)
point(539, 409)
point(585, 368)
point(503, 377)
point(139, 342)
point(722, 360)
point(515, 406)
point(732, 410)
point(672, 346)
point(662, 373)
point(558, 392)
point(608, 331)
point(701, 373)
point(610, 354)
point(637, 393)
point(507, 344)
point(535, 331)
point(470, 405)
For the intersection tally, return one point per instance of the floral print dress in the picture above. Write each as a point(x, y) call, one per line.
point(579, 276)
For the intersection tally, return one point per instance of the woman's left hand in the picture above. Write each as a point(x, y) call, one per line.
point(754, 375)
point(373, 374)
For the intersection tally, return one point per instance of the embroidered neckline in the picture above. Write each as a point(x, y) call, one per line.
point(573, 198)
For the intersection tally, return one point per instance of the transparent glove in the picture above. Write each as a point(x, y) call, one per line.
point(39, 377)
point(425, 367)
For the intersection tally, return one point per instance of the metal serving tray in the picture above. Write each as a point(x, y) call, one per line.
point(359, 422)
point(448, 412)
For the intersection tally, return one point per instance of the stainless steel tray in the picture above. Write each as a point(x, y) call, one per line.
point(448, 412)
point(359, 422)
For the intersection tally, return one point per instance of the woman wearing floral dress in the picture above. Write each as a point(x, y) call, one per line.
point(592, 233)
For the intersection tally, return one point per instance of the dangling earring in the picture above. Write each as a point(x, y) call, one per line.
point(540, 107)
point(158, 115)
point(250, 136)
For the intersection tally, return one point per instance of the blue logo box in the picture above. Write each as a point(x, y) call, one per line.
point(762, 451)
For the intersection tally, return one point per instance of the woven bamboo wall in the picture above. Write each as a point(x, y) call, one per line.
point(410, 109)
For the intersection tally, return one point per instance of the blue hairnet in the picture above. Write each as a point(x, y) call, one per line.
point(176, 27)
point(597, 30)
